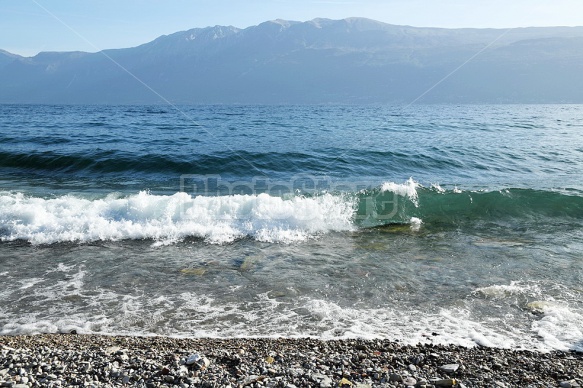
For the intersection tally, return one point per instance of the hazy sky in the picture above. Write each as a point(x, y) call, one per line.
point(30, 26)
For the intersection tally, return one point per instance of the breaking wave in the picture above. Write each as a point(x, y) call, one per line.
point(278, 219)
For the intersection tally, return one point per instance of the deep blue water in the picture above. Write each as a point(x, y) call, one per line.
point(331, 221)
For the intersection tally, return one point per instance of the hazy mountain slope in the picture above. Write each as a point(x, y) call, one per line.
point(320, 61)
point(6, 58)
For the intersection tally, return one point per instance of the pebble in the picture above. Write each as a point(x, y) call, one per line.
point(97, 361)
point(167, 378)
point(323, 380)
point(449, 368)
point(192, 359)
point(394, 377)
point(204, 362)
point(444, 382)
point(569, 384)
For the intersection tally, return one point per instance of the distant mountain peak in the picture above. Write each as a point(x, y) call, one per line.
point(318, 61)
point(283, 22)
point(365, 23)
point(320, 22)
point(352, 24)
point(209, 33)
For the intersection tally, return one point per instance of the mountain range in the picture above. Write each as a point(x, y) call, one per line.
point(353, 60)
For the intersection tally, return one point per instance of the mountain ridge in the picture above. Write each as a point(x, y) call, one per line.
point(351, 60)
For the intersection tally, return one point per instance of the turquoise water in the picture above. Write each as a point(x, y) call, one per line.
point(449, 224)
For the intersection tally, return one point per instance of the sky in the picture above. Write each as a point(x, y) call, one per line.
point(28, 27)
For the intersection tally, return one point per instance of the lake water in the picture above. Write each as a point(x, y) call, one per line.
point(428, 223)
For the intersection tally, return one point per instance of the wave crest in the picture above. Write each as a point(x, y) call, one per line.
point(287, 219)
point(171, 218)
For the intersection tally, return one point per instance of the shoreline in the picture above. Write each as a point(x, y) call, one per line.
point(54, 360)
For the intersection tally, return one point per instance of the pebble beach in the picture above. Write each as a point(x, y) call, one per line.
point(62, 360)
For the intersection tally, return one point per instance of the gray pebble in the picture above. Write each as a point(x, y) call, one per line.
point(569, 384)
point(192, 359)
point(323, 380)
point(449, 368)
point(167, 378)
point(395, 377)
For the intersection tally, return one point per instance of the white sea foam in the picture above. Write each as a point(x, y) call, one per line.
point(416, 224)
point(451, 327)
point(504, 290)
point(557, 325)
point(407, 189)
point(171, 218)
point(29, 282)
point(191, 314)
point(438, 188)
point(51, 305)
point(560, 326)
